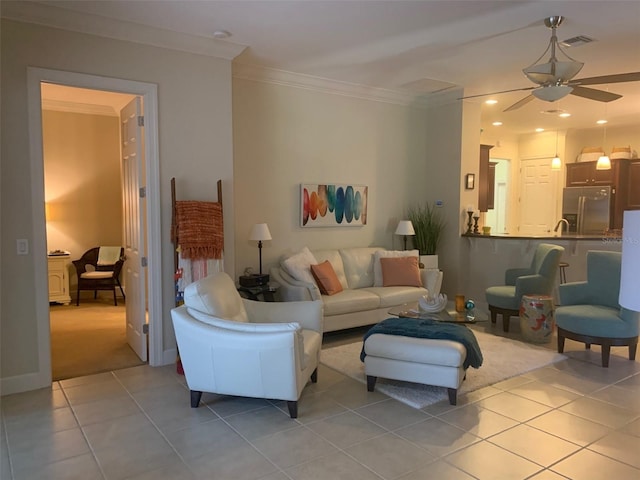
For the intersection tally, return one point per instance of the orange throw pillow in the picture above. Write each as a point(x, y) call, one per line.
point(326, 278)
point(400, 271)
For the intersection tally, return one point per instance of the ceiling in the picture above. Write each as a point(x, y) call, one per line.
point(416, 46)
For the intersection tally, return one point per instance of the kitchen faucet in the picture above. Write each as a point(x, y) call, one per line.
point(559, 225)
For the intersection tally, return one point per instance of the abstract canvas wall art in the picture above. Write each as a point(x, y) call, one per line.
point(333, 205)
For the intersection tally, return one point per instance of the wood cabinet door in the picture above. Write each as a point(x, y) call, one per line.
point(580, 174)
point(633, 186)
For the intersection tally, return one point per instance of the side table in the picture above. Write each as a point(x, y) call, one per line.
point(254, 293)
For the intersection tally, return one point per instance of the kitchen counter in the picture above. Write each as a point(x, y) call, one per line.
point(567, 236)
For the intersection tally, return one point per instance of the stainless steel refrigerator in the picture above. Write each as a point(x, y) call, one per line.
point(586, 209)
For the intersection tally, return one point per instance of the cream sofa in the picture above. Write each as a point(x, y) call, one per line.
point(362, 301)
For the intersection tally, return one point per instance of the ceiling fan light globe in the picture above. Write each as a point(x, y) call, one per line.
point(552, 73)
point(552, 93)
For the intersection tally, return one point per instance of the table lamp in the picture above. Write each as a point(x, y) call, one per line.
point(405, 227)
point(629, 278)
point(260, 232)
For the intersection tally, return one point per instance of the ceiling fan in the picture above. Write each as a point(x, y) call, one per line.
point(554, 77)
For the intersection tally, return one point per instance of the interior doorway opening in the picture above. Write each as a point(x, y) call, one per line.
point(496, 218)
point(152, 261)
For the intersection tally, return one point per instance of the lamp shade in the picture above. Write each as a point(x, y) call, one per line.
point(405, 227)
point(630, 276)
point(556, 163)
point(603, 163)
point(259, 232)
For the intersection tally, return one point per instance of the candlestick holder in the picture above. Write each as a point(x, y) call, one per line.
point(469, 224)
point(475, 225)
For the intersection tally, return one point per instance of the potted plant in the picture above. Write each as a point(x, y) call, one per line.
point(428, 224)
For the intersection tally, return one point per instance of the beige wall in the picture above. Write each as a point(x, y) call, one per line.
point(195, 142)
point(82, 184)
point(286, 136)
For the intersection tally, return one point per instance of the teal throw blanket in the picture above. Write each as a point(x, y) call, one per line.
point(409, 327)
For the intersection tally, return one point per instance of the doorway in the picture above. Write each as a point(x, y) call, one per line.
point(496, 217)
point(83, 209)
point(148, 92)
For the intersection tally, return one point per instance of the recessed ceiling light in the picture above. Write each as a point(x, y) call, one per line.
point(220, 34)
point(491, 102)
point(601, 122)
point(496, 124)
point(539, 130)
point(565, 115)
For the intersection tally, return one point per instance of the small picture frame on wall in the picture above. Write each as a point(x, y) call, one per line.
point(470, 181)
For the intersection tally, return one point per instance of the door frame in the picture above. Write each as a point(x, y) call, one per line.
point(149, 93)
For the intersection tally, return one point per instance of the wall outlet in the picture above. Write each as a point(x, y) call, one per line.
point(22, 246)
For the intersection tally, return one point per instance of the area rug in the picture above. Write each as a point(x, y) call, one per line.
point(503, 358)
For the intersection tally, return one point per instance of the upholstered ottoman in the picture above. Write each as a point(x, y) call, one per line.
point(420, 360)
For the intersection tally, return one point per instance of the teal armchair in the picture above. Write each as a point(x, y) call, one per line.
point(589, 311)
point(538, 279)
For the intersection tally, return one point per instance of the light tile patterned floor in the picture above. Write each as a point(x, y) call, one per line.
point(571, 420)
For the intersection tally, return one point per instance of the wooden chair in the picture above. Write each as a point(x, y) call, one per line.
point(92, 276)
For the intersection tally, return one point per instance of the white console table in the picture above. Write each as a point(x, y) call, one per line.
point(58, 266)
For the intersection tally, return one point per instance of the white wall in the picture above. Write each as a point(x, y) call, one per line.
point(195, 140)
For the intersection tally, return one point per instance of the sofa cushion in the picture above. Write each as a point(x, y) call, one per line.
point(326, 278)
point(350, 300)
point(392, 296)
point(334, 258)
point(400, 271)
point(298, 265)
point(377, 268)
point(594, 320)
point(358, 266)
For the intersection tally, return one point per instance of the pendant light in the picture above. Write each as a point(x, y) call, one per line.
point(556, 163)
point(604, 163)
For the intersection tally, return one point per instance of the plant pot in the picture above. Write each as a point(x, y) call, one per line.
point(429, 261)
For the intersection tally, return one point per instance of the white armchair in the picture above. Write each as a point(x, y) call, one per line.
point(234, 346)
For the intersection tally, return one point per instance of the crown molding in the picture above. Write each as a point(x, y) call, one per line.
point(72, 107)
point(46, 15)
point(324, 85)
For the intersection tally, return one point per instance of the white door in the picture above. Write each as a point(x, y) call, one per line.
point(134, 241)
point(538, 191)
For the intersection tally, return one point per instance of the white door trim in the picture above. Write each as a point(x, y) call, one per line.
point(149, 92)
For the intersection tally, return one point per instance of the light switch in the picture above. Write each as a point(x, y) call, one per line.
point(22, 246)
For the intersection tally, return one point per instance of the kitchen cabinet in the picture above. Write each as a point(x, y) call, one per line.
point(58, 267)
point(633, 185)
point(485, 180)
point(581, 174)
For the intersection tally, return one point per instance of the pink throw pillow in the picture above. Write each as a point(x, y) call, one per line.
point(400, 271)
point(326, 278)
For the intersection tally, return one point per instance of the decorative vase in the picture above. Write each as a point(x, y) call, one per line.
point(428, 261)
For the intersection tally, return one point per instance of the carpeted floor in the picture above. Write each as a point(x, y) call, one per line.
point(88, 339)
point(503, 358)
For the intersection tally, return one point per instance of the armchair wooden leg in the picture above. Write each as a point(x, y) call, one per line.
point(115, 300)
point(505, 321)
point(195, 398)
point(371, 383)
point(560, 342)
point(606, 351)
point(293, 409)
point(632, 351)
point(314, 376)
point(453, 396)
point(494, 315)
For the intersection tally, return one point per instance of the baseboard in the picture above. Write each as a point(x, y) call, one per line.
point(23, 383)
point(169, 356)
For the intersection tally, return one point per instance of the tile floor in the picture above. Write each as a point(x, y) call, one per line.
point(571, 420)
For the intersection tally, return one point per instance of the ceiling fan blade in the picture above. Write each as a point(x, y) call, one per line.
point(520, 103)
point(616, 78)
point(498, 93)
point(593, 94)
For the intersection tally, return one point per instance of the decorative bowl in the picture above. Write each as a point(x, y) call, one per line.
point(432, 305)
